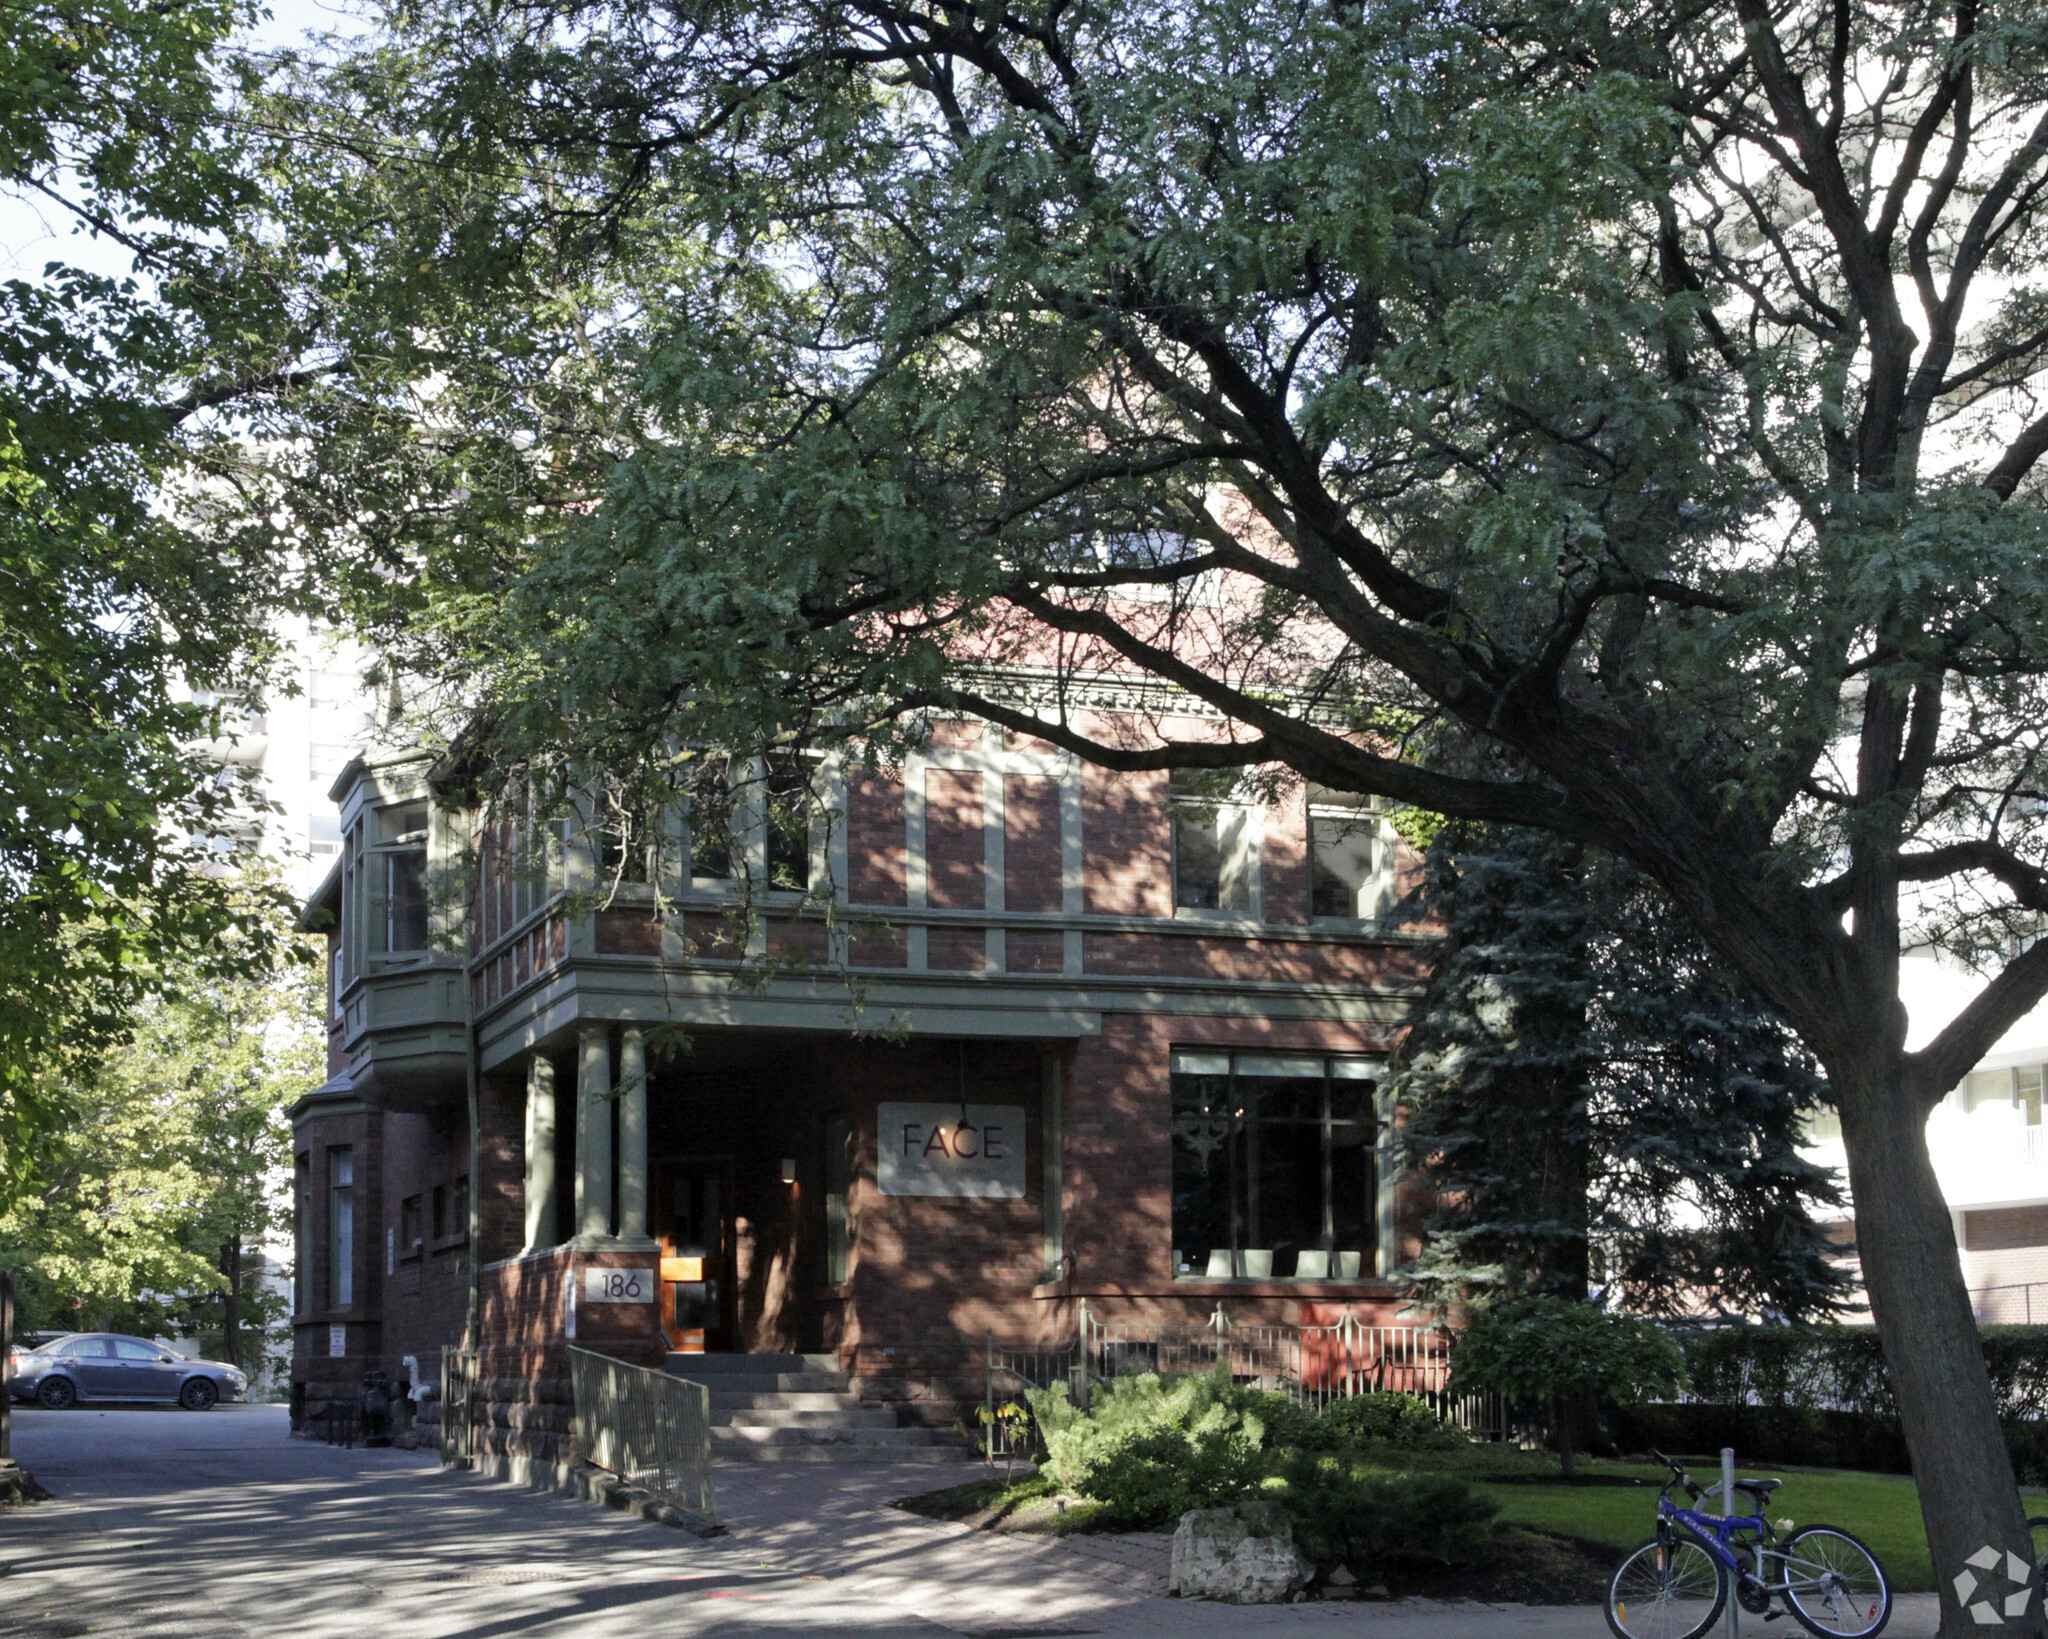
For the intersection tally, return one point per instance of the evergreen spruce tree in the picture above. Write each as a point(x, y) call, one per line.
point(1597, 1102)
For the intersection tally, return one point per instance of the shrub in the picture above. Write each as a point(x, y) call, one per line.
point(1077, 1442)
point(1556, 1351)
point(1152, 1479)
point(1399, 1420)
point(1150, 1448)
point(1404, 1521)
point(1823, 1395)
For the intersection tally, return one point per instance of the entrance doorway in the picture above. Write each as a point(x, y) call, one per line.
point(694, 1222)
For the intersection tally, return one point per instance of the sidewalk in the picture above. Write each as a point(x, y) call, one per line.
point(975, 1582)
point(172, 1525)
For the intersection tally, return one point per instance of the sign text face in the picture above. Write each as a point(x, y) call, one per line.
point(976, 1150)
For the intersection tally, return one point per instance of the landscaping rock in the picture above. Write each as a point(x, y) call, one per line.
point(18, 1485)
point(1243, 1555)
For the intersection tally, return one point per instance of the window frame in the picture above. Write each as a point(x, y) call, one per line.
point(302, 1232)
point(1375, 1155)
point(1379, 884)
point(1237, 824)
point(750, 831)
point(341, 1227)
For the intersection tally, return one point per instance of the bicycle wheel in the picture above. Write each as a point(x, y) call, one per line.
point(1665, 1591)
point(1833, 1584)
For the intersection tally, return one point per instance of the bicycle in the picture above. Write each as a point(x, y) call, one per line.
point(1675, 1585)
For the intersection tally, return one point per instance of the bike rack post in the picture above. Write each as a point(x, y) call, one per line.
point(1731, 1618)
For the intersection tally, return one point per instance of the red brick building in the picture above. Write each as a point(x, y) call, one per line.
point(1003, 1031)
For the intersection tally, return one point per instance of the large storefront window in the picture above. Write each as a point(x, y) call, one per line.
point(1275, 1166)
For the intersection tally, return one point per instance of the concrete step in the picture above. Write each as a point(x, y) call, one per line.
point(879, 1439)
point(921, 1456)
point(700, 1365)
point(783, 1417)
point(777, 1399)
point(770, 1382)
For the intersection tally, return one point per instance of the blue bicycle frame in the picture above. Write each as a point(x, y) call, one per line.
point(1712, 1531)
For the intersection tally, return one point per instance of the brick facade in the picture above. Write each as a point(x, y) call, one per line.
point(1030, 956)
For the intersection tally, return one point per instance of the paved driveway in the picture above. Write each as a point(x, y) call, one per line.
point(215, 1525)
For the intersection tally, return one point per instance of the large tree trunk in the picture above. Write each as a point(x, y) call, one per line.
point(1968, 1496)
point(1563, 1426)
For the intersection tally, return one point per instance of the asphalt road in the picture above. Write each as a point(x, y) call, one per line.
point(217, 1525)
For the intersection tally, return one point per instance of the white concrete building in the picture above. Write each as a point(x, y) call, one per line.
point(1988, 1144)
point(294, 744)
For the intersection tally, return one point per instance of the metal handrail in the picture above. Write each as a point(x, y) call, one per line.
point(645, 1426)
point(458, 1407)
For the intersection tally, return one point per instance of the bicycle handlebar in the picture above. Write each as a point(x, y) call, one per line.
point(1678, 1473)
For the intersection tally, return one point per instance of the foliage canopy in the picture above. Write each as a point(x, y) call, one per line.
point(126, 621)
point(1635, 403)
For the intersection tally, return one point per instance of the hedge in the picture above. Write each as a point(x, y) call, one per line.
point(1822, 1396)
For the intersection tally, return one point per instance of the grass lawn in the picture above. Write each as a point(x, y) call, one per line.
point(1882, 1509)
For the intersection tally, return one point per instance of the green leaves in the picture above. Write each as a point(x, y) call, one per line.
point(173, 1144)
point(116, 608)
point(1541, 1348)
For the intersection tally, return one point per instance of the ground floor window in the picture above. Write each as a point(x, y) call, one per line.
point(341, 1227)
point(1275, 1166)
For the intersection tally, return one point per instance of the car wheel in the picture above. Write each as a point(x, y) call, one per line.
point(56, 1394)
point(198, 1395)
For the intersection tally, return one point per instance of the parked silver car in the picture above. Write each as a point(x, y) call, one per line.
point(107, 1366)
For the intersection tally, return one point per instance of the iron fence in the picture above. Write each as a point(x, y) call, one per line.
point(1312, 1365)
point(458, 1407)
point(645, 1426)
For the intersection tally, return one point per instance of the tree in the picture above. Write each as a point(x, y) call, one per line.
point(1593, 1098)
point(176, 1162)
point(126, 623)
point(1553, 1350)
point(1642, 390)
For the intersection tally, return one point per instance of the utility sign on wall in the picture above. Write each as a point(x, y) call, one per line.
point(953, 1149)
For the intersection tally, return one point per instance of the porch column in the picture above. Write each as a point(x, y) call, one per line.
point(594, 1134)
point(540, 1155)
point(632, 1135)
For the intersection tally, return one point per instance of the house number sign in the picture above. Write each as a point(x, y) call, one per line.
point(971, 1150)
point(618, 1285)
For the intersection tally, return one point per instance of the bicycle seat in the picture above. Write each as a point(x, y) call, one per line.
point(1758, 1488)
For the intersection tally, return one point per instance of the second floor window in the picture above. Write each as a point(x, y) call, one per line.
point(1215, 844)
point(749, 818)
point(1348, 857)
point(713, 847)
point(398, 877)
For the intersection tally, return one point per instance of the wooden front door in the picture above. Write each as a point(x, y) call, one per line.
point(694, 1222)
